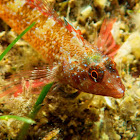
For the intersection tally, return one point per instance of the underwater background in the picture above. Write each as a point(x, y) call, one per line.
point(66, 115)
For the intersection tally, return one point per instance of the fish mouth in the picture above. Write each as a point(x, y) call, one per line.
point(113, 85)
point(118, 93)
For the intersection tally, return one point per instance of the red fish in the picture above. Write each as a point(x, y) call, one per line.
point(73, 60)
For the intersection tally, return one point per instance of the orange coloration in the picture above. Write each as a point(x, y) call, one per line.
point(77, 62)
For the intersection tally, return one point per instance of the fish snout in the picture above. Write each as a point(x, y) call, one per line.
point(114, 85)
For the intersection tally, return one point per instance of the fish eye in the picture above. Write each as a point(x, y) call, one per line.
point(96, 73)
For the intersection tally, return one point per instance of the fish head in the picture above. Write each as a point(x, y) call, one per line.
point(103, 78)
point(96, 75)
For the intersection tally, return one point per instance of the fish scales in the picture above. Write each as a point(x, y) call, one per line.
point(80, 64)
point(48, 37)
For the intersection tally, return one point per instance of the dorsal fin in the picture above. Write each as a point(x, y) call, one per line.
point(45, 8)
point(71, 28)
point(105, 41)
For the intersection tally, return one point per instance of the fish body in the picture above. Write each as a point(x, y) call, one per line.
point(77, 62)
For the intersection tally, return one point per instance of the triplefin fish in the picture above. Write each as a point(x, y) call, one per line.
point(76, 62)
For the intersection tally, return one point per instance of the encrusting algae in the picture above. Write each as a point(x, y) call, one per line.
point(65, 113)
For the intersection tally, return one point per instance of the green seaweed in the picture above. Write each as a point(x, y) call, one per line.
point(26, 120)
point(24, 130)
point(138, 138)
point(14, 42)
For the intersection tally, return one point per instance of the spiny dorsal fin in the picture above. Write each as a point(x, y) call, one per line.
point(71, 28)
point(105, 41)
point(45, 8)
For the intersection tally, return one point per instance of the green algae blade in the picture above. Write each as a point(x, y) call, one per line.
point(24, 130)
point(23, 119)
point(14, 42)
